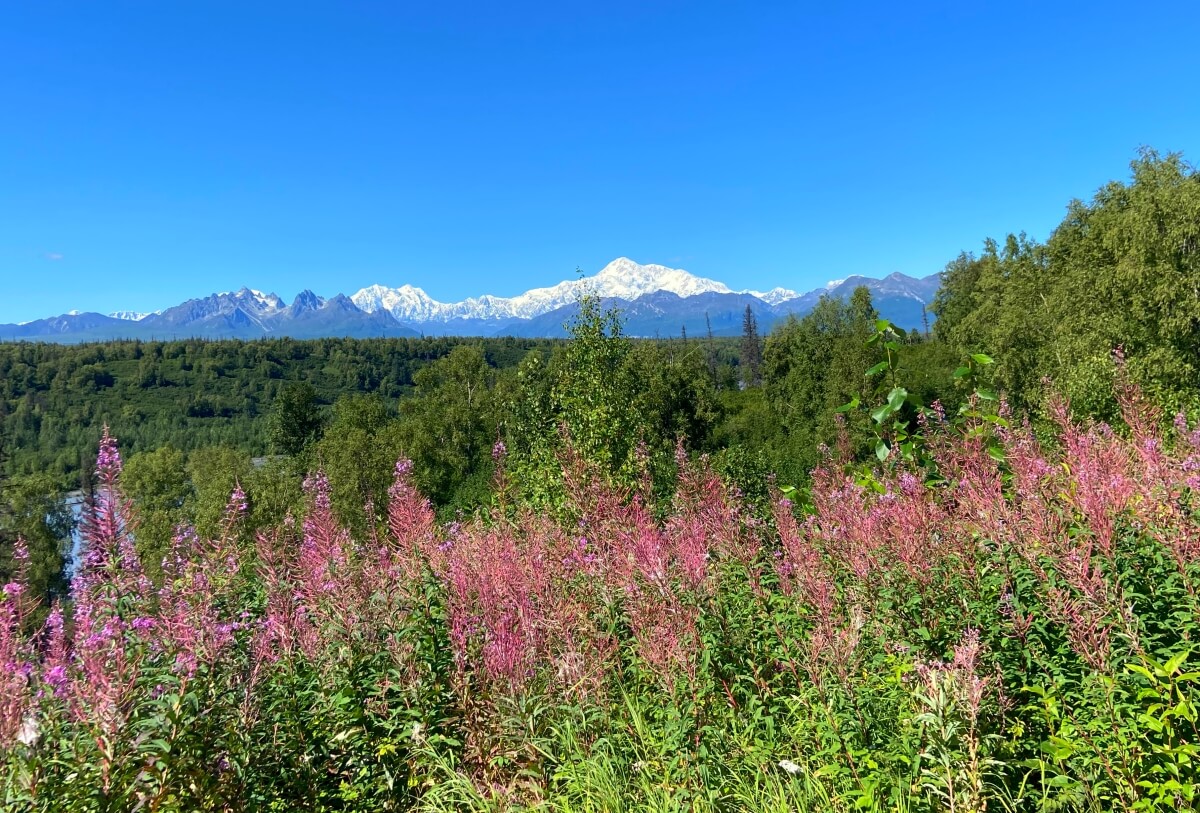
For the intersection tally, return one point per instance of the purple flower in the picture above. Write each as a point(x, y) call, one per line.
point(237, 502)
point(56, 677)
point(108, 460)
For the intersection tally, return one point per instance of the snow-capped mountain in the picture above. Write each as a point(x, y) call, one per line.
point(621, 279)
point(773, 296)
point(656, 300)
point(406, 303)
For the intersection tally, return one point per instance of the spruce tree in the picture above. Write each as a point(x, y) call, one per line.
point(751, 351)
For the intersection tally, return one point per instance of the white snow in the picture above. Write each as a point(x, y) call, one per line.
point(774, 296)
point(622, 278)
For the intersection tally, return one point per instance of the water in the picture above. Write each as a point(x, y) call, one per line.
point(75, 501)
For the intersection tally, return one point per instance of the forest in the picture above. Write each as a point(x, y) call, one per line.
point(842, 566)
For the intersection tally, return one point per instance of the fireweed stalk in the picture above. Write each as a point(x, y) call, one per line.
point(991, 576)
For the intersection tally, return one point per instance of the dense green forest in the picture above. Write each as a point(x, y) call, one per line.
point(982, 588)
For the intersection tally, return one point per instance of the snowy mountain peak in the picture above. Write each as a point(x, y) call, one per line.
point(261, 301)
point(406, 303)
point(628, 280)
point(774, 296)
point(620, 279)
point(406, 310)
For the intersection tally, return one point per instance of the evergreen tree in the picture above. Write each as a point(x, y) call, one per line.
point(296, 421)
point(710, 349)
point(751, 362)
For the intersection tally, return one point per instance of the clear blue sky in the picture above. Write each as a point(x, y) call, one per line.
point(154, 151)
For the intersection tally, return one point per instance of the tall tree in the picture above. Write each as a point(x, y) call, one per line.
point(449, 426)
point(157, 483)
point(710, 348)
point(751, 361)
point(296, 419)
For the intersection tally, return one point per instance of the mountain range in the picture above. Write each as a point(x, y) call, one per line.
point(654, 300)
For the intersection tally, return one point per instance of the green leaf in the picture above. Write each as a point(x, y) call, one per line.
point(882, 450)
point(987, 395)
point(962, 371)
point(847, 407)
point(880, 414)
point(878, 368)
point(896, 397)
point(882, 325)
point(1171, 666)
point(982, 358)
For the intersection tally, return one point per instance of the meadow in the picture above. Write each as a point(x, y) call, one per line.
point(1005, 623)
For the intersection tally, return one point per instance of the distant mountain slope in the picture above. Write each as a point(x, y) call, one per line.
point(899, 298)
point(656, 301)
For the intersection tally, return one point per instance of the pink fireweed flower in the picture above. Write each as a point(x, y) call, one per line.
point(411, 523)
point(960, 679)
point(109, 590)
point(801, 568)
point(238, 505)
point(20, 552)
point(323, 549)
point(1087, 625)
point(16, 667)
point(57, 653)
point(108, 460)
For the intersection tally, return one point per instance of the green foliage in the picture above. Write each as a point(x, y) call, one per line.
point(33, 511)
point(194, 393)
point(450, 426)
point(620, 406)
point(296, 421)
point(1120, 271)
point(158, 485)
point(214, 473)
point(811, 366)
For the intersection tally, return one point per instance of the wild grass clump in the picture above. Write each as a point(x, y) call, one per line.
point(1008, 624)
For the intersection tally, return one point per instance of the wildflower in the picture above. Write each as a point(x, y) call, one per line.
point(108, 460)
point(238, 505)
point(789, 766)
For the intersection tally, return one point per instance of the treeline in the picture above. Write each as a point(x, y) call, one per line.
point(192, 394)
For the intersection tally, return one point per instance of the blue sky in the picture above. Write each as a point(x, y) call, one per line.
point(154, 151)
